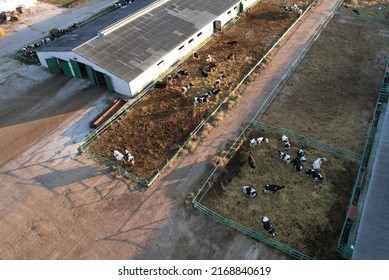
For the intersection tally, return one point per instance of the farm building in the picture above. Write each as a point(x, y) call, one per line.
point(131, 47)
point(372, 237)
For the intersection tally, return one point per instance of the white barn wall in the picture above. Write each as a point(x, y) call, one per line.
point(119, 85)
point(156, 71)
point(229, 14)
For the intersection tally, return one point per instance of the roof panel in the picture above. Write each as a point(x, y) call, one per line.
point(159, 30)
point(372, 242)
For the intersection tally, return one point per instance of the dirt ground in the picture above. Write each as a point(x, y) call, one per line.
point(163, 120)
point(55, 204)
point(333, 95)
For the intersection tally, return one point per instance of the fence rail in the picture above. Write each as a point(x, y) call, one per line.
point(250, 232)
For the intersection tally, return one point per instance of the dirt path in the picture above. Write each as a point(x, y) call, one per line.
point(57, 205)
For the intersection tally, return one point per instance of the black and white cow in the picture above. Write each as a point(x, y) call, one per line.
point(232, 43)
point(251, 161)
point(297, 164)
point(208, 58)
point(215, 91)
point(285, 141)
point(198, 100)
point(317, 163)
point(183, 73)
point(285, 157)
point(219, 80)
point(186, 88)
point(314, 174)
point(273, 188)
point(257, 141)
point(268, 226)
point(160, 85)
point(301, 155)
point(250, 191)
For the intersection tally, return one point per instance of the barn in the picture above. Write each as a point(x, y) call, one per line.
point(133, 46)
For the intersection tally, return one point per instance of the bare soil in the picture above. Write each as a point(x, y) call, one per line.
point(163, 120)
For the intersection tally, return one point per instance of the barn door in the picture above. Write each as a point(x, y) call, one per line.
point(217, 25)
point(65, 68)
point(76, 69)
point(91, 75)
point(108, 82)
point(52, 63)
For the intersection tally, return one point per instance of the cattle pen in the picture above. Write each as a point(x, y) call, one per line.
point(343, 238)
point(209, 113)
point(214, 191)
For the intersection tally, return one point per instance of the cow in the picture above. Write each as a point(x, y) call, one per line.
point(317, 163)
point(257, 141)
point(301, 155)
point(203, 73)
point(314, 174)
point(296, 9)
point(297, 164)
point(210, 66)
point(208, 58)
point(273, 188)
point(251, 161)
point(231, 56)
point(171, 78)
point(185, 88)
point(215, 91)
point(160, 85)
point(232, 43)
point(285, 157)
point(197, 100)
point(268, 226)
point(118, 155)
point(285, 140)
point(250, 191)
point(183, 73)
point(218, 80)
point(130, 158)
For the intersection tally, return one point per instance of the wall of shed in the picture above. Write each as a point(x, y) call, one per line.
point(163, 66)
point(119, 85)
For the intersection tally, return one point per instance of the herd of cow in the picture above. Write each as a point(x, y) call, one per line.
point(183, 77)
point(298, 161)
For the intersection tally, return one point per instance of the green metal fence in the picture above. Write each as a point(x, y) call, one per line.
point(353, 156)
point(361, 184)
point(250, 232)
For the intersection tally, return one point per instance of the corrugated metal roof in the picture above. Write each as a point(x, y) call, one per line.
point(90, 30)
point(132, 48)
point(372, 242)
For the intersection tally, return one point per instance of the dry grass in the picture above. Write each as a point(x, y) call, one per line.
point(306, 214)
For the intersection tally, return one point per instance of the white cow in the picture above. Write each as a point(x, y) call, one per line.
point(317, 163)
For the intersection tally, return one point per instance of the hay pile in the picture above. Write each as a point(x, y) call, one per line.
point(15, 16)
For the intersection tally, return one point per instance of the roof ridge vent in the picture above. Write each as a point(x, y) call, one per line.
point(124, 21)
